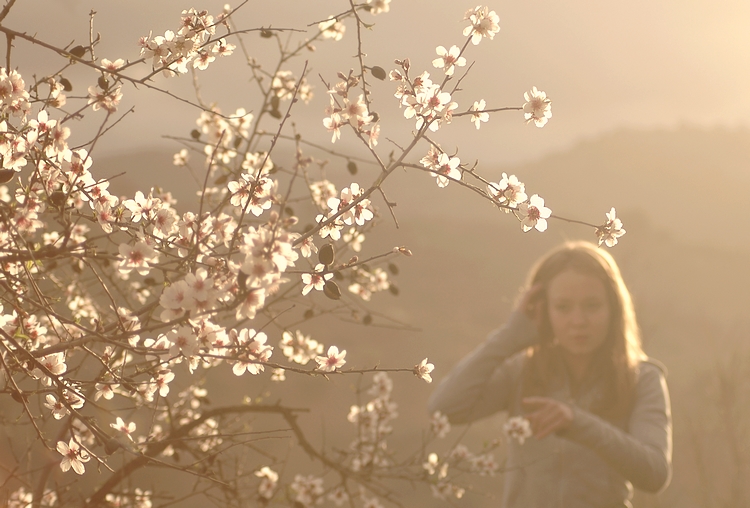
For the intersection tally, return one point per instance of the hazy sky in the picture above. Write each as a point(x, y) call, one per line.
point(605, 65)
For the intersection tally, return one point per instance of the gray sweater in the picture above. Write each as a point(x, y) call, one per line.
point(591, 464)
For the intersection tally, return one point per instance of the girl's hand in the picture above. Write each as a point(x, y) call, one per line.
point(547, 415)
point(532, 303)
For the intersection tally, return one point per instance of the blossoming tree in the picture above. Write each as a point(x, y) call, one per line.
point(114, 309)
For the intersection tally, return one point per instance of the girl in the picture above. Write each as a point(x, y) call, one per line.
point(570, 361)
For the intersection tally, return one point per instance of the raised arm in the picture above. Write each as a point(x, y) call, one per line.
point(643, 455)
point(481, 383)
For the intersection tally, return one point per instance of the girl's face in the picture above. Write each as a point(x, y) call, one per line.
point(579, 312)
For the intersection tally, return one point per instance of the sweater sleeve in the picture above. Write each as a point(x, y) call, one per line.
point(643, 455)
point(480, 384)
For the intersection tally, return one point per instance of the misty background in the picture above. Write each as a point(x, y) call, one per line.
point(650, 115)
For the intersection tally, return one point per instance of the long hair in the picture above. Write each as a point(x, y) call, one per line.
point(617, 359)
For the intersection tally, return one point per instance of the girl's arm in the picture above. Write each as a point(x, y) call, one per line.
point(481, 383)
point(643, 455)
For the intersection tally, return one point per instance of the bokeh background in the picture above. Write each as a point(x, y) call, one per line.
point(650, 115)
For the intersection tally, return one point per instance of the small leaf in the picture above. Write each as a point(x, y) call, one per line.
point(111, 446)
point(57, 198)
point(103, 83)
point(309, 313)
point(195, 134)
point(275, 113)
point(378, 72)
point(289, 211)
point(367, 319)
point(6, 175)
point(241, 281)
point(394, 290)
point(221, 180)
point(331, 290)
point(78, 51)
point(352, 167)
point(393, 268)
point(66, 84)
point(266, 34)
point(326, 254)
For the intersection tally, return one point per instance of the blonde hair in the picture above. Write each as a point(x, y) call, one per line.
point(618, 358)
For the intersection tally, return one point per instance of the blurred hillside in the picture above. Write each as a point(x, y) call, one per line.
point(682, 196)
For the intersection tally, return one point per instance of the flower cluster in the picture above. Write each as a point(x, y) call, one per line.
point(510, 194)
point(191, 46)
point(611, 230)
point(374, 424)
point(344, 110)
point(517, 428)
point(428, 102)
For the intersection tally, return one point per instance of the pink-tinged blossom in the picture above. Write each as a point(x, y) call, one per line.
point(332, 229)
point(307, 247)
point(315, 280)
point(359, 213)
point(446, 170)
point(334, 123)
point(508, 191)
point(299, 348)
point(253, 351)
point(251, 302)
point(338, 496)
point(484, 465)
point(54, 364)
point(308, 490)
point(440, 425)
point(534, 214)
point(382, 385)
point(355, 112)
point(165, 222)
point(354, 239)
point(448, 60)
point(141, 207)
point(423, 369)
point(478, 115)
point(332, 360)
point(484, 23)
point(178, 295)
point(106, 390)
point(162, 380)
point(183, 341)
point(518, 428)
point(611, 230)
point(537, 108)
point(158, 347)
point(58, 409)
point(378, 6)
point(112, 66)
point(125, 428)
point(72, 396)
point(432, 463)
point(332, 29)
point(372, 136)
point(268, 480)
point(181, 158)
point(136, 257)
point(73, 456)
point(107, 100)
